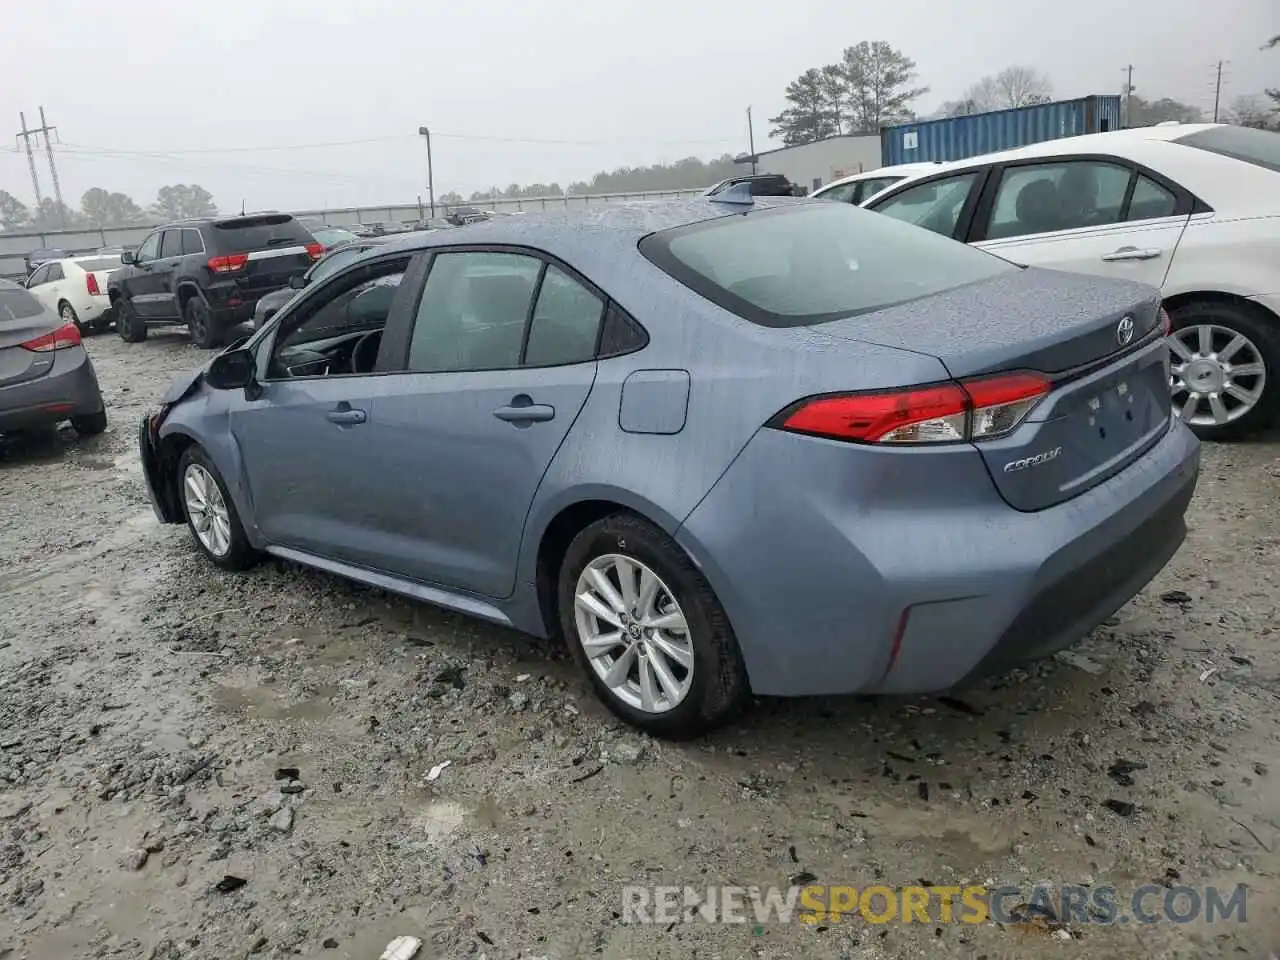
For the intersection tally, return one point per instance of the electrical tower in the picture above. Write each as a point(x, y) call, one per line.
point(26, 136)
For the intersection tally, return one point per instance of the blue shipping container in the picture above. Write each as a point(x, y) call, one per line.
point(956, 138)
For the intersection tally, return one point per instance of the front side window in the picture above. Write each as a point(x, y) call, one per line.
point(796, 266)
point(1048, 197)
point(150, 248)
point(473, 312)
point(935, 205)
point(39, 276)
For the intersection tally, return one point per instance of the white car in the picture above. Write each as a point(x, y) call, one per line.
point(1193, 209)
point(76, 289)
point(863, 186)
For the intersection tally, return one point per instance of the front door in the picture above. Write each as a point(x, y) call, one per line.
point(1084, 216)
point(143, 284)
point(466, 435)
point(166, 271)
point(309, 454)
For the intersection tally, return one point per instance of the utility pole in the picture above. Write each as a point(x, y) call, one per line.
point(431, 186)
point(53, 167)
point(1128, 92)
point(751, 141)
point(25, 137)
point(1217, 92)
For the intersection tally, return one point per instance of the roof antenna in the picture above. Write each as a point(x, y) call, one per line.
point(739, 195)
point(242, 206)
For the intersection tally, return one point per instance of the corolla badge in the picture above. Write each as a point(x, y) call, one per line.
point(1026, 463)
point(1124, 330)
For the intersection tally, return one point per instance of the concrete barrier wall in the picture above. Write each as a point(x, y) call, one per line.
point(15, 245)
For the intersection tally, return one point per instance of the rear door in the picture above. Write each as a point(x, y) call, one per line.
point(1098, 215)
point(274, 246)
point(500, 359)
point(22, 318)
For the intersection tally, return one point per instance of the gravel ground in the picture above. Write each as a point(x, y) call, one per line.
point(149, 702)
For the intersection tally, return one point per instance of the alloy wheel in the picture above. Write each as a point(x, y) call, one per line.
point(210, 518)
point(634, 633)
point(1217, 375)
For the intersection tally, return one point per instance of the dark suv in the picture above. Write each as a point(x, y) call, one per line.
point(207, 273)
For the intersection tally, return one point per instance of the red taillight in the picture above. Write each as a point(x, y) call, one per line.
point(1165, 321)
point(315, 250)
point(978, 409)
point(91, 284)
point(65, 336)
point(228, 264)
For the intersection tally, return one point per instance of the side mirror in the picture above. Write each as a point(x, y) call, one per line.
point(297, 281)
point(128, 256)
point(231, 370)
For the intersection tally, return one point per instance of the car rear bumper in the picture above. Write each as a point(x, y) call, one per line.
point(69, 389)
point(872, 571)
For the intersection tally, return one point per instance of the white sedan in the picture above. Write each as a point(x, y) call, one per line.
point(1193, 209)
point(76, 289)
point(863, 186)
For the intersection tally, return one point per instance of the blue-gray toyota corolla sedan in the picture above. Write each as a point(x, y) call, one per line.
point(720, 445)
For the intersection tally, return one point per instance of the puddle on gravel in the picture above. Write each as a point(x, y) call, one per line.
point(438, 821)
point(269, 705)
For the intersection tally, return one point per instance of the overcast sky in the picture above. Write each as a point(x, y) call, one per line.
point(147, 92)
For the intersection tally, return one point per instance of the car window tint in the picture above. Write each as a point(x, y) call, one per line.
point(935, 205)
point(344, 313)
point(1047, 197)
point(56, 273)
point(39, 275)
point(150, 247)
point(473, 311)
point(191, 242)
point(1150, 200)
point(260, 232)
point(814, 262)
point(1258, 147)
point(566, 321)
point(171, 244)
point(841, 194)
point(335, 261)
point(869, 188)
point(17, 305)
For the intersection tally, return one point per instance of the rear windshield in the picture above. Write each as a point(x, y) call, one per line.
point(98, 264)
point(814, 262)
point(17, 304)
point(260, 233)
point(1259, 147)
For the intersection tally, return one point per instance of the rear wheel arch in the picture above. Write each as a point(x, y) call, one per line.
point(1180, 300)
point(185, 292)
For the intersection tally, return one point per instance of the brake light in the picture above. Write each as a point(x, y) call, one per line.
point(228, 264)
point(978, 409)
point(1166, 321)
point(91, 284)
point(65, 336)
point(315, 250)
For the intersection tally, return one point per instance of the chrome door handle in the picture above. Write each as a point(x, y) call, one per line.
point(346, 416)
point(522, 410)
point(1132, 253)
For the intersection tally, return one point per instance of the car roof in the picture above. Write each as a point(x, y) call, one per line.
point(597, 240)
point(1110, 142)
point(900, 169)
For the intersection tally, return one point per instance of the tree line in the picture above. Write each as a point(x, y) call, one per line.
point(684, 174)
point(106, 208)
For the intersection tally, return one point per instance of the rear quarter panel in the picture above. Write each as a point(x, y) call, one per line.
point(1228, 254)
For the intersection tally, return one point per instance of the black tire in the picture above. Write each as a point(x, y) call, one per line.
point(90, 424)
point(67, 313)
point(719, 686)
point(200, 324)
point(129, 326)
point(240, 555)
point(1263, 330)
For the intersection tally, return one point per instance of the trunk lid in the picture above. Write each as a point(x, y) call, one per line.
point(276, 246)
point(1098, 340)
point(23, 318)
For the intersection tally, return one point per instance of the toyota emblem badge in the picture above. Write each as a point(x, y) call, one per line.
point(1124, 331)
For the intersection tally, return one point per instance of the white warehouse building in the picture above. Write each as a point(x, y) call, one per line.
point(810, 165)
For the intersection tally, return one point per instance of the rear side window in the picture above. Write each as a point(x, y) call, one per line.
point(1258, 147)
point(260, 233)
point(17, 304)
point(811, 263)
point(171, 244)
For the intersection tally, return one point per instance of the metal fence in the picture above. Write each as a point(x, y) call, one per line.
point(15, 245)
